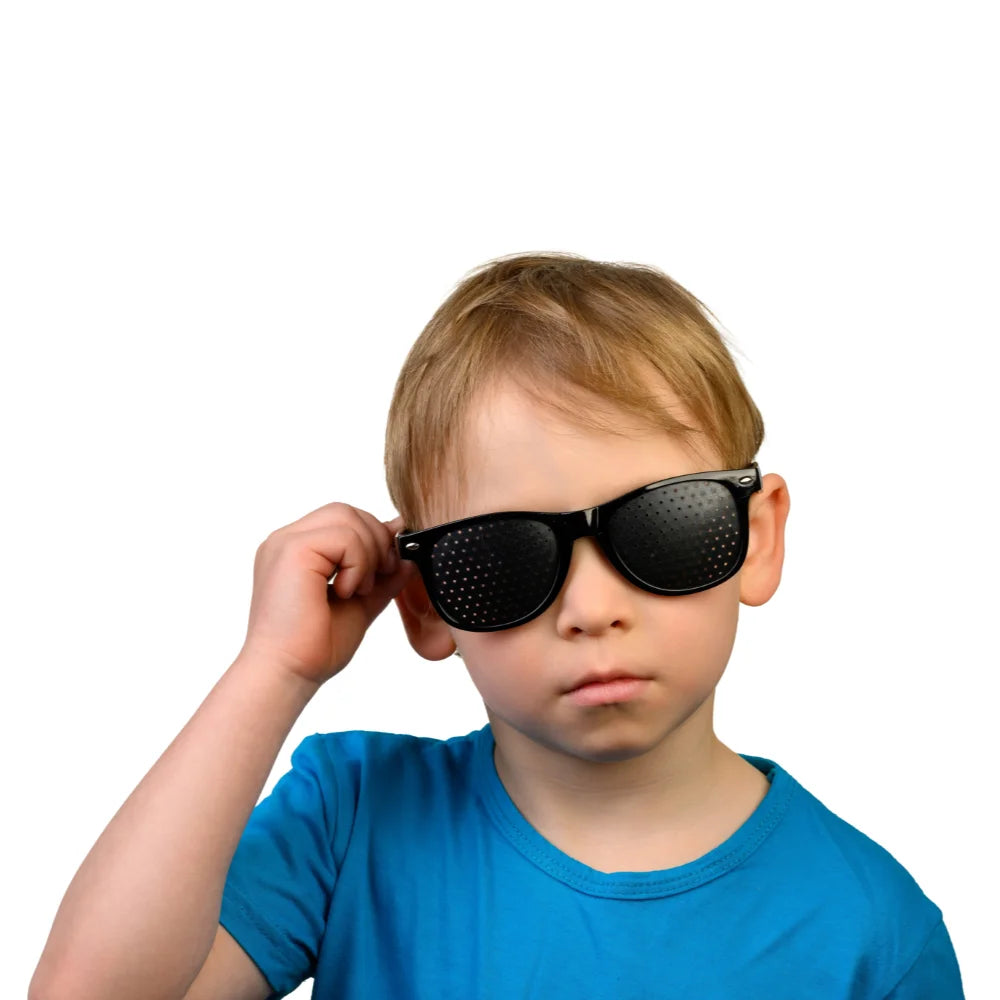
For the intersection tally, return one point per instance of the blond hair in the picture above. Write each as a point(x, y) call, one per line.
point(563, 328)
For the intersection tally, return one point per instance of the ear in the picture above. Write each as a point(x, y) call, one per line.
point(426, 630)
point(761, 570)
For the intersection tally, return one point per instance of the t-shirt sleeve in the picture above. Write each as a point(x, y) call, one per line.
point(277, 892)
point(934, 975)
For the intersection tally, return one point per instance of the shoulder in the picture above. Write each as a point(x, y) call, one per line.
point(367, 761)
point(858, 881)
point(358, 786)
point(368, 746)
point(859, 860)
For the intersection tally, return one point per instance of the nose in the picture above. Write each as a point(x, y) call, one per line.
point(595, 597)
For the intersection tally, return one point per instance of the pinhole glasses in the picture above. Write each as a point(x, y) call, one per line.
point(672, 537)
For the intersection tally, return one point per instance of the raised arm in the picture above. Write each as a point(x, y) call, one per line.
point(141, 915)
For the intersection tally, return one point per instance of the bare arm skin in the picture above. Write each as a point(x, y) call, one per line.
point(142, 912)
point(141, 917)
point(228, 974)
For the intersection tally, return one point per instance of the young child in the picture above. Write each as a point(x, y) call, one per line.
point(571, 451)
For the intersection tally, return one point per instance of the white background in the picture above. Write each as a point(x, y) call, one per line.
point(224, 224)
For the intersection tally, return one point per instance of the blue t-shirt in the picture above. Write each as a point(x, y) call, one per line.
point(397, 867)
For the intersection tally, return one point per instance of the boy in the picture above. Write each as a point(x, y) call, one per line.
point(596, 839)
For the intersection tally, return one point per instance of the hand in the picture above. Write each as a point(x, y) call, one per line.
point(300, 621)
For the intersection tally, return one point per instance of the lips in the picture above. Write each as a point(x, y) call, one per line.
point(603, 678)
point(598, 691)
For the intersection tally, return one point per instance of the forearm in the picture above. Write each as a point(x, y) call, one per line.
point(141, 913)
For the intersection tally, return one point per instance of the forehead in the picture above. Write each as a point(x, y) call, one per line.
point(519, 454)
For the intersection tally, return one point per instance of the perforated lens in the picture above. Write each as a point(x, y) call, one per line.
point(682, 537)
point(494, 573)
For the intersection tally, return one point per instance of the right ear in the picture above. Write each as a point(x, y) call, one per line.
point(426, 630)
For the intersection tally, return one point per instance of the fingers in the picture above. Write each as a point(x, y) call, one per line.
point(384, 541)
point(364, 546)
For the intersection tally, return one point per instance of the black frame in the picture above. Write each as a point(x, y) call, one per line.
point(567, 527)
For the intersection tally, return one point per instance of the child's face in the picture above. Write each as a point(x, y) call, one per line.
point(523, 457)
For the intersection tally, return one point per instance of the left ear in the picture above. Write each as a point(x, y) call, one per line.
point(761, 570)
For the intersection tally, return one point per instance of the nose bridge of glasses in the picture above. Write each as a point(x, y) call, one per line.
point(586, 523)
point(579, 524)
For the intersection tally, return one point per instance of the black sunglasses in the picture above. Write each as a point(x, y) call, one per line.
point(675, 536)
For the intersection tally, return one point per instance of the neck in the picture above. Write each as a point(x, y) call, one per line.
point(669, 804)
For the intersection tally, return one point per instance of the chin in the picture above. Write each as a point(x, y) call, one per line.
point(611, 745)
point(612, 755)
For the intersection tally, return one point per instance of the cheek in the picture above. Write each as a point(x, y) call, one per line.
point(698, 634)
point(498, 662)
